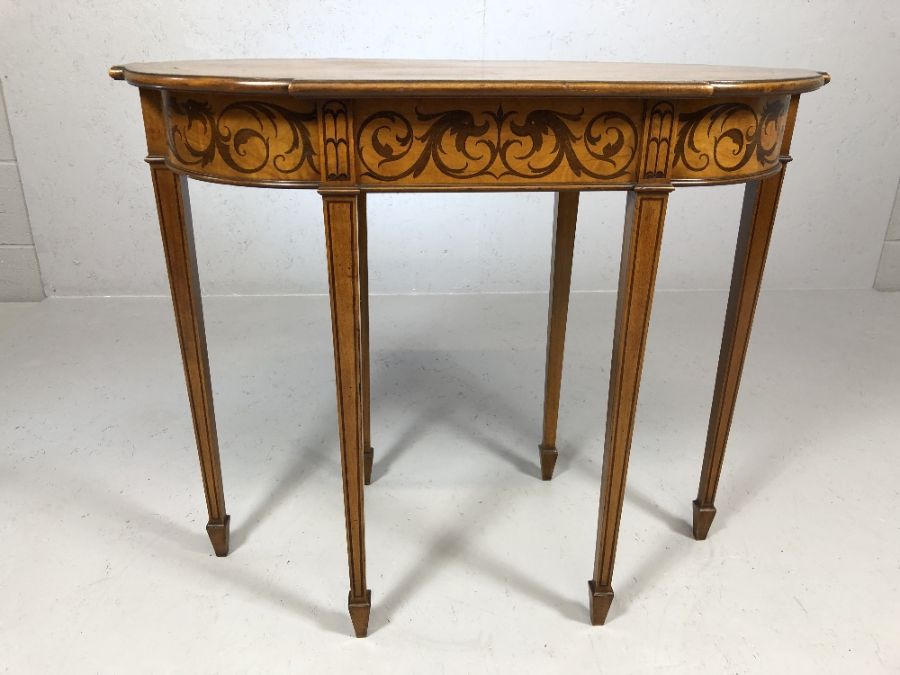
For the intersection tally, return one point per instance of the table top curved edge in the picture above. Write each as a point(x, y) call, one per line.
point(781, 81)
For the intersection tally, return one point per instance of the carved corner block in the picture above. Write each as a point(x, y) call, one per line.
point(659, 126)
point(337, 143)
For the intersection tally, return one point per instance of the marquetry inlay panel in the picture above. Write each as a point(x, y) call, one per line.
point(728, 139)
point(242, 138)
point(471, 143)
point(496, 142)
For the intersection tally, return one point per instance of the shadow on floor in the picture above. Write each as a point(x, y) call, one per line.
point(311, 454)
point(192, 548)
point(446, 391)
point(454, 545)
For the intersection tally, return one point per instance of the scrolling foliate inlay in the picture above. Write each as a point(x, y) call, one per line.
point(494, 142)
point(729, 138)
point(244, 138)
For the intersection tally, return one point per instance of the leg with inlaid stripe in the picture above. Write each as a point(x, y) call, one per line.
point(757, 219)
point(363, 236)
point(640, 253)
point(566, 213)
point(760, 200)
point(178, 241)
point(342, 240)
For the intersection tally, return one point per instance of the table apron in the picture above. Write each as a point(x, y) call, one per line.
point(442, 144)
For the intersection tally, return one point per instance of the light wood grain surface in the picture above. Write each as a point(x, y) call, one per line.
point(364, 77)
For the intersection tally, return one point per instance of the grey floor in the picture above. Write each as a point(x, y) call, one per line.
point(475, 565)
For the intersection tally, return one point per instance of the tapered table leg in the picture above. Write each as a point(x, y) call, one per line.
point(363, 238)
point(178, 240)
point(640, 253)
point(757, 220)
point(566, 213)
point(342, 240)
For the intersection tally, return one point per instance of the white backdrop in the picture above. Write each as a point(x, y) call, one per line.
point(79, 141)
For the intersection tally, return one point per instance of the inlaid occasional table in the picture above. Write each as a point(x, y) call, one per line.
point(350, 127)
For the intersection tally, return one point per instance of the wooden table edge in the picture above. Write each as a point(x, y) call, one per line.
point(470, 88)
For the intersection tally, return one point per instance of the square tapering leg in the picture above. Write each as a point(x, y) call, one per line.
point(600, 602)
point(174, 210)
point(703, 518)
point(365, 368)
point(566, 213)
point(359, 613)
point(637, 275)
point(342, 239)
point(220, 535)
point(757, 221)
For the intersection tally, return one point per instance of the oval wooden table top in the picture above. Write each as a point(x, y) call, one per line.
point(415, 78)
